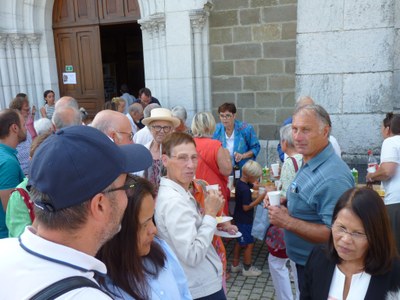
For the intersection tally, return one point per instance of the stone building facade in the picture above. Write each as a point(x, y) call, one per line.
point(259, 54)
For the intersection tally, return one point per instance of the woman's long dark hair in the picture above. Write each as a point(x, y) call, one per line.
point(125, 266)
point(369, 207)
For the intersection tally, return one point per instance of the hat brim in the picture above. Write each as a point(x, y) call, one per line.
point(175, 121)
point(137, 157)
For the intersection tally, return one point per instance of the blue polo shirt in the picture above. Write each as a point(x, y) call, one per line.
point(10, 176)
point(312, 197)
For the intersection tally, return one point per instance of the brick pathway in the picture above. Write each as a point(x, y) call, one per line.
point(243, 288)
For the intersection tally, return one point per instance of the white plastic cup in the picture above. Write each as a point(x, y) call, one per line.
point(278, 184)
point(275, 169)
point(371, 169)
point(212, 187)
point(274, 198)
point(230, 182)
point(261, 190)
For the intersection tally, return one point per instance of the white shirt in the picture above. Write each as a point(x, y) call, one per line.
point(230, 143)
point(390, 152)
point(143, 136)
point(24, 274)
point(358, 286)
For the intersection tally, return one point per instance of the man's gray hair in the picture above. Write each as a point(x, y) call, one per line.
point(66, 116)
point(179, 112)
point(319, 112)
point(149, 108)
point(135, 108)
point(42, 126)
point(285, 133)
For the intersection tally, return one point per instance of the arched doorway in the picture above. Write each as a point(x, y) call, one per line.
point(98, 42)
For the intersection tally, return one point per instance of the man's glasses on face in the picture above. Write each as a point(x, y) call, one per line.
point(225, 116)
point(158, 128)
point(130, 134)
point(184, 158)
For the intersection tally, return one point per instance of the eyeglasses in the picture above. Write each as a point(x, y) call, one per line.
point(341, 231)
point(227, 116)
point(184, 159)
point(130, 134)
point(158, 128)
point(125, 187)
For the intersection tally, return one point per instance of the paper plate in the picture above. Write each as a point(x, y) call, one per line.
point(227, 235)
point(223, 219)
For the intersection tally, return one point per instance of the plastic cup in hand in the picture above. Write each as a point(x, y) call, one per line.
point(274, 198)
point(278, 185)
point(261, 190)
point(371, 169)
point(275, 170)
point(230, 182)
point(212, 187)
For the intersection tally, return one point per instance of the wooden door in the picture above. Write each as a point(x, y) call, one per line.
point(80, 48)
point(76, 25)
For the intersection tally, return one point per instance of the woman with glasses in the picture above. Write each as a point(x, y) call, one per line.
point(360, 260)
point(161, 123)
point(140, 265)
point(238, 137)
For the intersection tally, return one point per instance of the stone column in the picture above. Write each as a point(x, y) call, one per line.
point(147, 32)
point(34, 41)
point(159, 20)
point(5, 76)
point(17, 41)
point(197, 21)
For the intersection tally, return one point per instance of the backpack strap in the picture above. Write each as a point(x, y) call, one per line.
point(296, 167)
point(63, 286)
point(27, 199)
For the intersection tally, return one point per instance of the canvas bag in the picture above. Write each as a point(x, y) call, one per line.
point(260, 222)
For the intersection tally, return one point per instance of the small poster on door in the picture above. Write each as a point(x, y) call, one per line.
point(69, 78)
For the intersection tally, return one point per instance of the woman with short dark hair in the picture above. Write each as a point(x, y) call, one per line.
point(360, 261)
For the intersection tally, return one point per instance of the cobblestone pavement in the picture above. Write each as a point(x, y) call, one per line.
point(252, 288)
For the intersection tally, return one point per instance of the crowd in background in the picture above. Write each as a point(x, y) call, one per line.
point(135, 203)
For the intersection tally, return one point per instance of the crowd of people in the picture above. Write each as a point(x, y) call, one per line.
point(134, 204)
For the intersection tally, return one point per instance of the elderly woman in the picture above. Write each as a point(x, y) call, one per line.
point(180, 113)
point(139, 265)
point(360, 260)
point(214, 160)
point(183, 224)
point(161, 123)
point(238, 137)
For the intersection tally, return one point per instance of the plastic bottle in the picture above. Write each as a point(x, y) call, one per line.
point(372, 163)
point(236, 173)
point(354, 172)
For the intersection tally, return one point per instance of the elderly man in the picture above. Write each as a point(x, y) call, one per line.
point(181, 224)
point(135, 114)
point(115, 125)
point(12, 132)
point(319, 183)
point(78, 186)
point(65, 116)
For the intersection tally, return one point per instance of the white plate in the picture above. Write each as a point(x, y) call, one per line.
point(227, 235)
point(223, 219)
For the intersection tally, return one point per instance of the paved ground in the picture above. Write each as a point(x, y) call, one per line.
point(243, 288)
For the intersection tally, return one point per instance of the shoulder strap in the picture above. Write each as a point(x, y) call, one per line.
point(296, 167)
point(63, 286)
point(27, 199)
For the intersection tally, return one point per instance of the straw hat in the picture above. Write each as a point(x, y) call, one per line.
point(161, 114)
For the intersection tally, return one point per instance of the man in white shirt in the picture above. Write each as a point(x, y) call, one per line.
point(115, 125)
point(135, 114)
point(77, 180)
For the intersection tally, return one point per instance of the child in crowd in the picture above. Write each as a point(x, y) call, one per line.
point(243, 216)
point(48, 109)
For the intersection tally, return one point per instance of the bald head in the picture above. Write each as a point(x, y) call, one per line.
point(303, 101)
point(66, 116)
point(66, 101)
point(114, 124)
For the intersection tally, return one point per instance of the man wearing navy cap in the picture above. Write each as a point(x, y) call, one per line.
point(77, 180)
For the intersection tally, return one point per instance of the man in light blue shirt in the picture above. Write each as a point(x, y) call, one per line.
point(313, 194)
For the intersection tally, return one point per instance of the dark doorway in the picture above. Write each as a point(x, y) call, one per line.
point(122, 58)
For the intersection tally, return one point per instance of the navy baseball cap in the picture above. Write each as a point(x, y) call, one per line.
point(74, 164)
